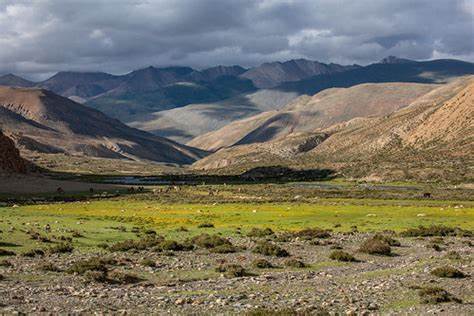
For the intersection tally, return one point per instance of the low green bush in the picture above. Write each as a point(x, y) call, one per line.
point(375, 247)
point(270, 249)
point(435, 295)
point(448, 272)
point(343, 256)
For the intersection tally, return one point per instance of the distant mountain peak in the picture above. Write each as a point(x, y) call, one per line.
point(395, 60)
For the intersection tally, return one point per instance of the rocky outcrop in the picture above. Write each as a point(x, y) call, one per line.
point(10, 160)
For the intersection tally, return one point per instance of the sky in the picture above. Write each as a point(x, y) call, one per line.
point(40, 38)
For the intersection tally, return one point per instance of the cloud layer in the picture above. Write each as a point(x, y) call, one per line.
point(38, 38)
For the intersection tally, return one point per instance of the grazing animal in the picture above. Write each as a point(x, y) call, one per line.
point(427, 195)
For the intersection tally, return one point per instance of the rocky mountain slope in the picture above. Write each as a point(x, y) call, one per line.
point(270, 75)
point(41, 121)
point(10, 159)
point(309, 114)
point(432, 138)
point(15, 81)
point(185, 123)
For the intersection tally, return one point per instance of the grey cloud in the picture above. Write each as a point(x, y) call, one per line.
point(42, 37)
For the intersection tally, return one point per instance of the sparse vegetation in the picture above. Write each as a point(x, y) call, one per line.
point(311, 233)
point(375, 247)
point(447, 272)
point(343, 256)
point(435, 295)
point(61, 248)
point(434, 230)
point(294, 263)
point(260, 232)
point(270, 249)
point(4, 252)
point(206, 225)
point(232, 270)
point(262, 264)
point(48, 266)
point(387, 239)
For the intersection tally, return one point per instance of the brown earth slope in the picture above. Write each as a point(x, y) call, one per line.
point(10, 160)
point(41, 121)
point(432, 138)
point(309, 114)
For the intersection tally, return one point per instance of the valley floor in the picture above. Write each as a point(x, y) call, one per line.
point(241, 249)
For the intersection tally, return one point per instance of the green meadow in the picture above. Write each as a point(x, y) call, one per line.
point(113, 220)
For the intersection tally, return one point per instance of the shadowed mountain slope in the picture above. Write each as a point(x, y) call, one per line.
point(39, 120)
point(309, 114)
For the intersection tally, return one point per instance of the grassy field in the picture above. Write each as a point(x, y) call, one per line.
point(113, 220)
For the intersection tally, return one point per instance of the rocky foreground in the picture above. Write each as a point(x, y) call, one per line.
point(305, 274)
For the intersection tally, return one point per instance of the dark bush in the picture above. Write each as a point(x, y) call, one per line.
point(294, 263)
point(209, 241)
point(4, 252)
point(224, 249)
point(435, 295)
point(148, 263)
point(375, 247)
point(436, 247)
point(170, 245)
point(48, 266)
point(33, 253)
point(206, 225)
point(453, 255)
point(436, 230)
point(92, 264)
point(120, 277)
point(260, 232)
point(448, 272)
point(269, 249)
point(262, 264)
point(388, 240)
point(61, 248)
point(342, 256)
point(141, 244)
point(2, 277)
point(6, 263)
point(232, 270)
point(96, 276)
point(286, 312)
point(311, 233)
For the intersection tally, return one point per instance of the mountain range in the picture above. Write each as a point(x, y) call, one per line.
point(300, 113)
point(430, 138)
point(42, 121)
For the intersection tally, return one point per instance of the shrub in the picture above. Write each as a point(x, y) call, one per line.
point(4, 252)
point(61, 248)
point(6, 263)
point(269, 249)
point(436, 247)
point(96, 276)
point(260, 232)
point(448, 272)
point(92, 264)
point(226, 248)
point(232, 270)
point(48, 266)
point(2, 277)
point(141, 244)
point(286, 312)
point(436, 230)
point(33, 253)
point(311, 233)
point(182, 229)
point(149, 263)
point(294, 263)
point(453, 255)
point(388, 240)
point(375, 247)
point(206, 225)
point(262, 264)
point(434, 295)
point(120, 277)
point(170, 245)
point(342, 256)
point(209, 241)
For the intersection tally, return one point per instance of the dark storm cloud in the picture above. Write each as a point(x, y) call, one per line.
point(42, 37)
